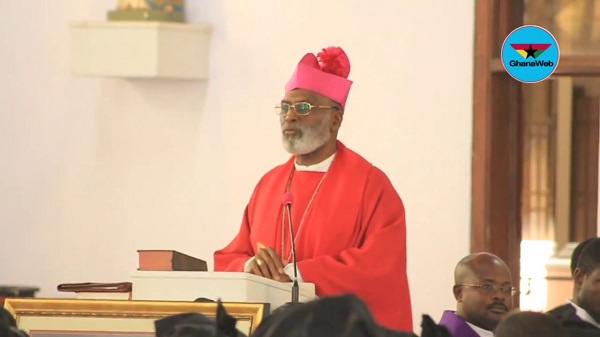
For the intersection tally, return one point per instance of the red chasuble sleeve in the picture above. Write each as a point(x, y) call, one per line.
point(238, 251)
point(256, 226)
point(375, 270)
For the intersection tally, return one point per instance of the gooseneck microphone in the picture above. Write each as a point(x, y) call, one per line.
point(288, 199)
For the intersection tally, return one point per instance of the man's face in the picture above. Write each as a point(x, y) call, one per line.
point(588, 295)
point(305, 134)
point(484, 306)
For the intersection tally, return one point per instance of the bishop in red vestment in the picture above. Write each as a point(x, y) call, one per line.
point(348, 220)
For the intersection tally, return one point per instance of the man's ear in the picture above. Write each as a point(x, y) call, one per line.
point(337, 116)
point(458, 293)
point(578, 277)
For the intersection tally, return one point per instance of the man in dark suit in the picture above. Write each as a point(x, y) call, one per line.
point(581, 316)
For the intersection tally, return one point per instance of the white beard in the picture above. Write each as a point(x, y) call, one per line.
point(310, 139)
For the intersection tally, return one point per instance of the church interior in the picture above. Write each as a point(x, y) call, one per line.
point(135, 126)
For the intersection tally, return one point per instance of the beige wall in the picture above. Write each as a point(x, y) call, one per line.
point(93, 169)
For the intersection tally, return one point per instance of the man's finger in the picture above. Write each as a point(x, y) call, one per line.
point(284, 278)
point(255, 269)
point(271, 260)
point(277, 261)
point(263, 263)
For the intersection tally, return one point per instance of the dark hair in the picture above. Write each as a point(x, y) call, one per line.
point(8, 325)
point(430, 329)
point(11, 331)
point(576, 255)
point(529, 323)
point(336, 316)
point(6, 318)
point(197, 325)
point(589, 259)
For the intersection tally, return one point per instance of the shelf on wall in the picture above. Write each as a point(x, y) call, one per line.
point(134, 49)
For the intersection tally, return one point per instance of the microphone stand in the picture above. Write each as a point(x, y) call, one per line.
point(295, 287)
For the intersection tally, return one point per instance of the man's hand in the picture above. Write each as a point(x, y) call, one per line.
point(268, 264)
point(284, 278)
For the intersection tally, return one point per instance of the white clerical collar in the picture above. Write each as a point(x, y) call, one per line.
point(481, 332)
point(583, 314)
point(318, 167)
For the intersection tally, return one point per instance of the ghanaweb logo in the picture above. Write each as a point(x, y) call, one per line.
point(530, 54)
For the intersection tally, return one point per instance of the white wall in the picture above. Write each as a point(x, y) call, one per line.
point(93, 169)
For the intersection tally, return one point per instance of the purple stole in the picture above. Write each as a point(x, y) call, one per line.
point(457, 325)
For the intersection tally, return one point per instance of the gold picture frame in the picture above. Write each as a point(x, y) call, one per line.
point(97, 318)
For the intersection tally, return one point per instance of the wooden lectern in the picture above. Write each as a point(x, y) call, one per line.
point(227, 286)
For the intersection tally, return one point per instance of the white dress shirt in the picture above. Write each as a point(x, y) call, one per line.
point(481, 332)
point(583, 314)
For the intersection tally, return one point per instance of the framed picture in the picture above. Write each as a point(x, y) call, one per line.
point(100, 318)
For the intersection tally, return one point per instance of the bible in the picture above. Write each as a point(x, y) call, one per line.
point(170, 260)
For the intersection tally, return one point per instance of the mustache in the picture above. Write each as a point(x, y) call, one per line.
point(496, 304)
point(293, 126)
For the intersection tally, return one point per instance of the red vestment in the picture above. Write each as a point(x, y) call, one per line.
point(352, 240)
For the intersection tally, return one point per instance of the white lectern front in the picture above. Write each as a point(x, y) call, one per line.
point(228, 286)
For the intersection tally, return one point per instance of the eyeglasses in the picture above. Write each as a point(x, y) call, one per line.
point(301, 108)
point(489, 288)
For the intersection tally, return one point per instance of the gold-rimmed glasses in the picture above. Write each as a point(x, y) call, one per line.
point(489, 288)
point(301, 108)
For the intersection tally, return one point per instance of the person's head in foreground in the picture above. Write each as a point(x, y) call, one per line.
point(430, 329)
point(529, 324)
point(339, 316)
point(8, 325)
point(197, 325)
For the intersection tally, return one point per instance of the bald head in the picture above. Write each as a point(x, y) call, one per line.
point(483, 289)
point(474, 265)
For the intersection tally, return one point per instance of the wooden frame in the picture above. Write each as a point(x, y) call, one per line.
point(497, 139)
point(498, 132)
point(71, 317)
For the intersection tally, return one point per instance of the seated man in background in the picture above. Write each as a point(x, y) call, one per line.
point(529, 324)
point(581, 316)
point(484, 294)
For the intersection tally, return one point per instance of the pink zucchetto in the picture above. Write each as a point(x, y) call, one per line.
point(326, 74)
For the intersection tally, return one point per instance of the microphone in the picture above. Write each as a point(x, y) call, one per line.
point(288, 199)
